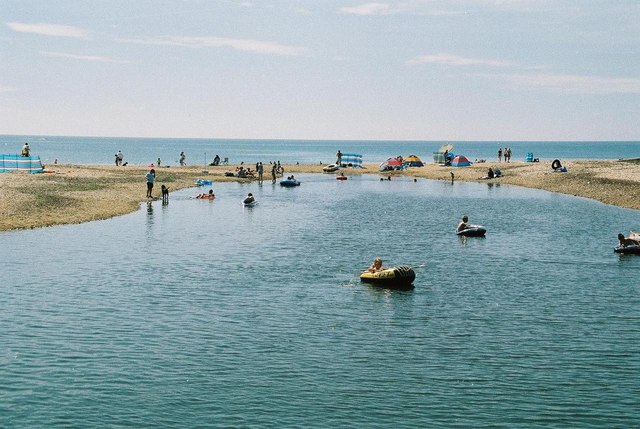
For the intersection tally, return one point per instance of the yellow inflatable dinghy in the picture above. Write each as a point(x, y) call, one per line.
point(400, 276)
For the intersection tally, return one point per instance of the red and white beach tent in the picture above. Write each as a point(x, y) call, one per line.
point(460, 161)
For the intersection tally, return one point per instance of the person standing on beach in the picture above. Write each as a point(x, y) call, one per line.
point(273, 173)
point(499, 154)
point(260, 170)
point(151, 177)
point(26, 150)
point(182, 158)
point(339, 157)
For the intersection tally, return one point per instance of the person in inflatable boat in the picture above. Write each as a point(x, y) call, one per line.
point(463, 223)
point(376, 266)
point(626, 241)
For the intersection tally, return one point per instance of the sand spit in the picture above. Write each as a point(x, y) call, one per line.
point(81, 193)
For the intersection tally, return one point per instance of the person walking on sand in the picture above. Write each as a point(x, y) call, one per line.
point(151, 177)
point(499, 154)
point(182, 158)
point(339, 158)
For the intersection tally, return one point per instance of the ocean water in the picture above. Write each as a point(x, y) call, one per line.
point(209, 314)
point(139, 151)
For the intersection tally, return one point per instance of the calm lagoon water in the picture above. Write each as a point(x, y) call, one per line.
point(208, 314)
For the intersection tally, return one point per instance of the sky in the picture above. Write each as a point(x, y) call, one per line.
point(322, 69)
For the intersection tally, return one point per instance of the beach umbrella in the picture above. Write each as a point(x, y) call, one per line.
point(413, 161)
point(460, 161)
point(445, 147)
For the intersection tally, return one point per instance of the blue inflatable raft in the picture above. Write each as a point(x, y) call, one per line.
point(288, 183)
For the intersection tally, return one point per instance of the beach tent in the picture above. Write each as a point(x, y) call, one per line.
point(413, 161)
point(351, 160)
point(19, 163)
point(438, 157)
point(392, 164)
point(460, 161)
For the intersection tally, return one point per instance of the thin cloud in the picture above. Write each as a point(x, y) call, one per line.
point(94, 58)
point(455, 60)
point(575, 84)
point(445, 7)
point(49, 30)
point(368, 9)
point(247, 45)
point(7, 89)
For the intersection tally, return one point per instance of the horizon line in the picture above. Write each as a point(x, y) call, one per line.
point(323, 139)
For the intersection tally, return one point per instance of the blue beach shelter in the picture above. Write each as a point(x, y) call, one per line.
point(19, 163)
point(351, 160)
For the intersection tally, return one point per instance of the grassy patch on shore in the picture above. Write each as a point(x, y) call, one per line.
point(52, 201)
point(68, 184)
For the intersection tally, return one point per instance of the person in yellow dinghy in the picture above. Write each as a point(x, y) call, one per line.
point(376, 266)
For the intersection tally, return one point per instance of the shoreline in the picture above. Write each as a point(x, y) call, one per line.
point(84, 193)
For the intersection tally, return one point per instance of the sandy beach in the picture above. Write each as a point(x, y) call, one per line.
point(81, 193)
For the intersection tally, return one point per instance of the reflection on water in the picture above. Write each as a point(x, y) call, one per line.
point(206, 311)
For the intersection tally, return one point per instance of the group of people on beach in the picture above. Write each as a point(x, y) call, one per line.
point(506, 153)
point(119, 157)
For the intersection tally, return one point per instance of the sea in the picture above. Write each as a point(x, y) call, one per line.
point(208, 314)
point(145, 151)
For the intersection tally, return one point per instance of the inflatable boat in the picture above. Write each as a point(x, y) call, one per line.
point(401, 276)
point(473, 231)
point(341, 177)
point(248, 202)
point(631, 250)
point(288, 183)
point(330, 168)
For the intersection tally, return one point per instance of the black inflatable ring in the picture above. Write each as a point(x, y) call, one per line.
point(556, 164)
